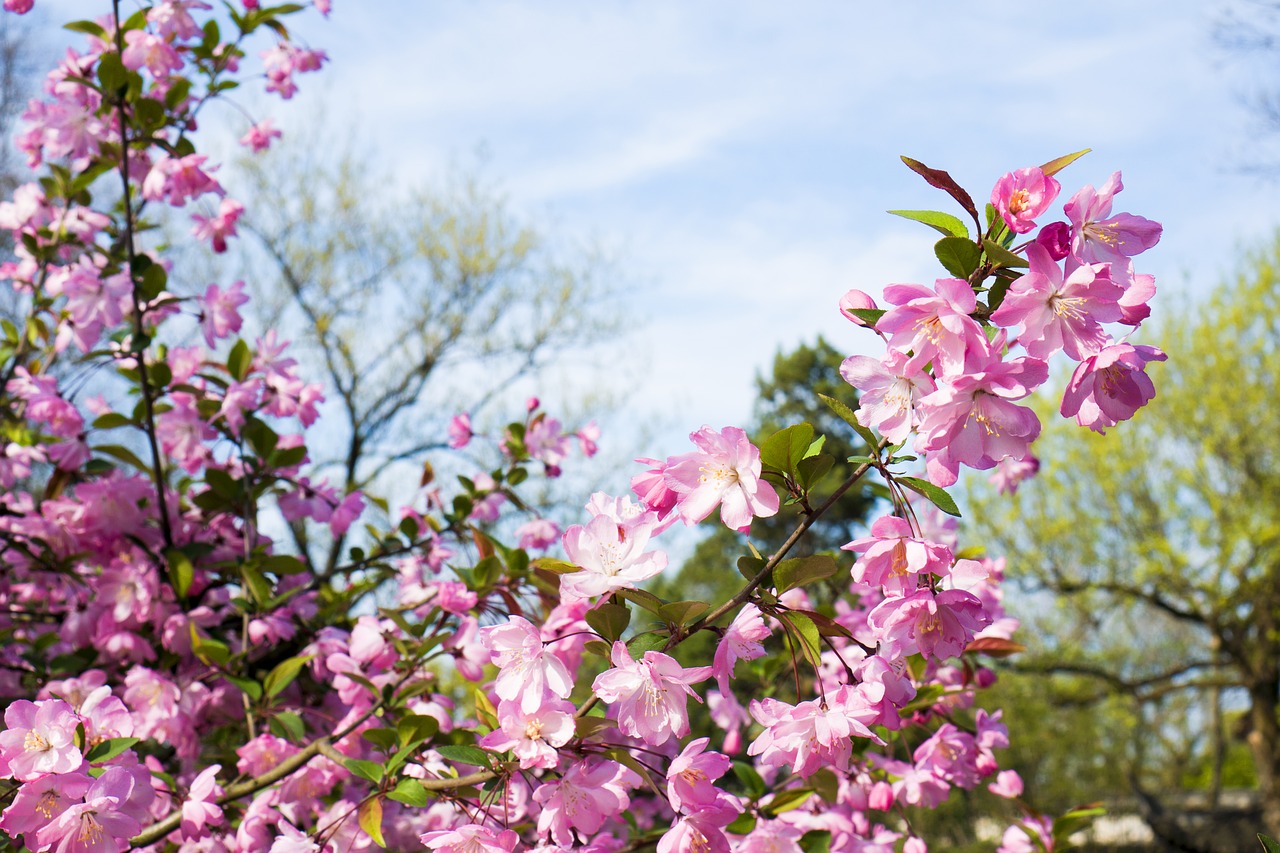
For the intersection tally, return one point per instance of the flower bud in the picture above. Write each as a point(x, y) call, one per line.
point(856, 300)
point(1056, 239)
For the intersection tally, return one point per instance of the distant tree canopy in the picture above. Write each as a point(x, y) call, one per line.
point(789, 395)
point(1161, 547)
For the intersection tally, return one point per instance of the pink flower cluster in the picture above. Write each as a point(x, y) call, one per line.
point(955, 387)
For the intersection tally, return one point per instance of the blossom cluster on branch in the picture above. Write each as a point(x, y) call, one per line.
point(176, 679)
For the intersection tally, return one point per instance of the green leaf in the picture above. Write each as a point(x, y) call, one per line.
point(109, 749)
point(1057, 164)
point(806, 635)
point(816, 841)
point(181, 571)
point(786, 447)
point(585, 727)
point(371, 820)
point(290, 724)
point(1002, 257)
point(212, 652)
point(556, 567)
point(651, 641)
point(802, 571)
point(609, 620)
point(111, 420)
point(111, 73)
point(239, 360)
point(743, 824)
point(247, 686)
point(643, 599)
point(749, 566)
point(1075, 820)
point(368, 770)
point(812, 469)
point(943, 181)
point(410, 792)
point(957, 255)
point(937, 496)
point(384, 739)
point(416, 728)
point(124, 454)
point(465, 754)
point(848, 416)
point(785, 801)
point(86, 27)
point(868, 316)
point(682, 612)
point(153, 281)
point(945, 223)
point(750, 779)
point(283, 674)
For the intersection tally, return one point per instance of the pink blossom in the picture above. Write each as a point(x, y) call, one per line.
point(690, 775)
point(153, 51)
point(1057, 313)
point(813, 734)
point(18, 7)
point(724, 470)
point(894, 558)
point(110, 815)
point(1111, 386)
point(1097, 236)
point(41, 800)
point(652, 489)
point(741, 641)
point(587, 438)
point(526, 670)
point(650, 694)
point(582, 799)
point(971, 418)
point(933, 325)
point(1008, 784)
point(39, 737)
point(695, 833)
point(1022, 195)
point(1017, 840)
point(533, 736)
point(1010, 473)
point(612, 556)
point(538, 534)
point(892, 389)
point(258, 137)
point(471, 838)
point(199, 811)
point(460, 431)
point(217, 229)
point(220, 311)
point(936, 625)
point(177, 179)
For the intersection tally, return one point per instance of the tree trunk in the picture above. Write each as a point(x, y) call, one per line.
point(1264, 742)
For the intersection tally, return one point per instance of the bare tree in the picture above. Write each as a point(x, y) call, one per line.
point(415, 303)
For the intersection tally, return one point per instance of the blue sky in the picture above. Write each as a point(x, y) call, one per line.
point(739, 157)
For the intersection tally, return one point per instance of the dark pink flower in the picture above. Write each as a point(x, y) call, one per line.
point(1110, 386)
point(1022, 195)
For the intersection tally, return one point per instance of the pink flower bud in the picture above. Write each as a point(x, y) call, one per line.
point(881, 797)
point(985, 677)
point(856, 300)
point(1056, 239)
point(532, 403)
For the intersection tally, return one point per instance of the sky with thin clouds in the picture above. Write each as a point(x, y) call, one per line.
point(739, 157)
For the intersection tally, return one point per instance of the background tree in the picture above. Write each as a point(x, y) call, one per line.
point(1163, 548)
point(417, 303)
point(789, 395)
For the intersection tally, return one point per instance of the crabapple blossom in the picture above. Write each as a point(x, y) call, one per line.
point(1110, 386)
point(724, 471)
point(526, 670)
point(533, 736)
point(651, 694)
point(933, 325)
point(894, 558)
point(39, 738)
point(740, 641)
point(1022, 195)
